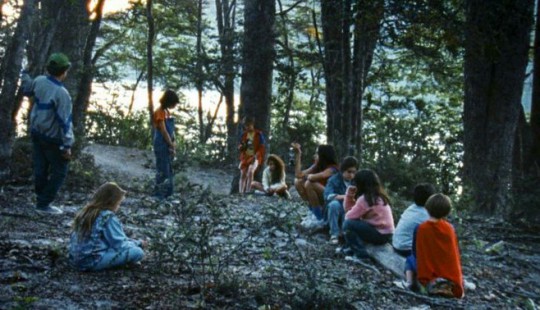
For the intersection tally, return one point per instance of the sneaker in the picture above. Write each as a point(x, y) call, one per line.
point(334, 240)
point(49, 210)
point(402, 284)
point(346, 251)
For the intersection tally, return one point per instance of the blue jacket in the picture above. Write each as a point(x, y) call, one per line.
point(335, 186)
point(50, 118)
point(106, 234)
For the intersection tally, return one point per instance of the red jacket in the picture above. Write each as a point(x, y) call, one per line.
point(258, 147)
point(437, 254)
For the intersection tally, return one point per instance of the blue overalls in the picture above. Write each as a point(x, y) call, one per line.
point(164, 158)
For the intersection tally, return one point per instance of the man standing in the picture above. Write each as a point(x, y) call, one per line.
point(51, 130)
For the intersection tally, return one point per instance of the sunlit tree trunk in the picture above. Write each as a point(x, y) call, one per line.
point(226, 19)
point(535, 104)
point(199, 68)
point(149, 57)
point(12, 64)
point(80, 104)
point(497, 36)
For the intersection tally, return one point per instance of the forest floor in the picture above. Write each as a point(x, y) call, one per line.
point(212, 250)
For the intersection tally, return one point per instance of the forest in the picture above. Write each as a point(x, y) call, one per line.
point(436, 91)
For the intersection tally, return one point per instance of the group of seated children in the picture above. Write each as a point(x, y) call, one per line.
point(354, 204)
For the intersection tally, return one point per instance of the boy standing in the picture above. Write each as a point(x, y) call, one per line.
point(51, 129)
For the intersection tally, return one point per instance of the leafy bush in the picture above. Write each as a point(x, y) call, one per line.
point(113, 126)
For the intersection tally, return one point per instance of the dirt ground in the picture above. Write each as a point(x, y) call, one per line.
point(212, 250)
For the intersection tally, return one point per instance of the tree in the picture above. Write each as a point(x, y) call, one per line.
point(257, 66)
point(347, 60)
point(257, 61)
point(81, 102)
point(149, 56)
point(497, 36)
point(226, 18)
point(11, 67)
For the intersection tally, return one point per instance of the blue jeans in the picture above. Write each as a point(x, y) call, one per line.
point(50, 170)
point(164, 172)
point(114, 258)
point(336, 216)
point(358, 232)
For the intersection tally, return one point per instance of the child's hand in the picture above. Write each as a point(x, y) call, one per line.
point(339, 197)
point(351, 191)
point(296, 147)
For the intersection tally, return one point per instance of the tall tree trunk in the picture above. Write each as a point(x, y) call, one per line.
point(80, 105)
point(12, 64)
point(535, 104)
point(257, 65)
point(149, 57)
point(226, 15)
point(366, 34)
point(44, 26)
point(199, 71)
point(331, 18)
point(291, 76)
point(497, 36)
point(257, 62)
point(70, 37)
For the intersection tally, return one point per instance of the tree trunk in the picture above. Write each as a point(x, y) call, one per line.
point(12, 64)
point(199, 71)
point(44, 25)
point(496, 45)
point(331, 18)
point(226, 14)
point(367, 31)
point(149, 57)
point(258, 57)
point(535, 104)
point(80, 105)
point(257, 65)
point(70, 37)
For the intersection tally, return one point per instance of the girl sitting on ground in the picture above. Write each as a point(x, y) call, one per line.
point(98, 241)
point(435, 262)
point(310, 182)
point(273, 179)
point(368, 217)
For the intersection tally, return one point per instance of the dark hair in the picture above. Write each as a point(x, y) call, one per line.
point(169, 99)
point(327, 156)
point(279, 172)
point(54, 70)
point(438, 206)
point(248, 120)
point(368, 184)
point(422, 192)
point(348, 162)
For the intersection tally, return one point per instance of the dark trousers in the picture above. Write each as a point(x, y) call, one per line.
point(358, 232)
point(50, 170)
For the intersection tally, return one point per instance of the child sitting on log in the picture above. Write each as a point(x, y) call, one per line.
point(435, 262)
point(98, 241)
point(369, 216)
point(414, 215)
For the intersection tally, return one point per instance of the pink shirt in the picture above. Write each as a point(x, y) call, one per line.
point(379, 215)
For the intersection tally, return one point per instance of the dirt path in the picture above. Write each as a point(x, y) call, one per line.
point(135, 165)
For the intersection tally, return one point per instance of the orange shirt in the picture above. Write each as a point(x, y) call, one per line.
point(437, 254)
point(159, 116)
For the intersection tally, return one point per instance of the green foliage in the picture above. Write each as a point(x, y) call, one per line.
point(112, 125)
